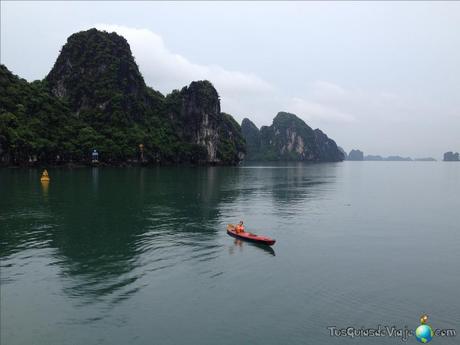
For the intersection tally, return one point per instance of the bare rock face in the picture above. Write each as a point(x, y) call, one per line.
point(289, 138)
point(201, 116)
point(200, 122)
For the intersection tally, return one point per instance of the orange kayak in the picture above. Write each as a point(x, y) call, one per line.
point(248, 236)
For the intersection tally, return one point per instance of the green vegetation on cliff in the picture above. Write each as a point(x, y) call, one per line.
point(289, 138)
point(95, 98)
point(32, 122)
point(232, 145)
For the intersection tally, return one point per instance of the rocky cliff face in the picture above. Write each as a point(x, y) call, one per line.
point(451, 156)
point(327, 148)
point(97, 75)
point(198, 120)
point(201, 117)
point(231, 146)
point(289, 138)
point(251, 134)
point(95, 98)
point(345, 155)
point(355, 155)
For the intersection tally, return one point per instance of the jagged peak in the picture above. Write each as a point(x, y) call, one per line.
point(285, 115)
point(96, 72)
point(320, 132)
point(203, 87)
point(93, 53)
point(248, 124)
point(201, 94)
point(289, 120)
point(95, 91)
point(7, 75)
point(94, 33)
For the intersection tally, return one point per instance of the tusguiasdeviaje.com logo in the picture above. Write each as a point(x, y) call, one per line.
point(424, 333)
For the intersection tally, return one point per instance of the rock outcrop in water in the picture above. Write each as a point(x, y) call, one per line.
point(379, 158)
point(95, 98)
point(451, 156)
point(389, 158)
point(425, 159)
point(289, 138)
point(398, 159)
point(373, 158)
point(355, 155)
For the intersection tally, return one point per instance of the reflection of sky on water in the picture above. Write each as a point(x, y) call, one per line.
point(127, 222)
point(101, 233)
point(118, 254)
point(106, 235)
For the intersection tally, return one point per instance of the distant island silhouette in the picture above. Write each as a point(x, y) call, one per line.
point(358, 155)
point(451, 157)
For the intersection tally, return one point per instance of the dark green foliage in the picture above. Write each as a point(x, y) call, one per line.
point(252, 136)
point(96, 98)
point(194, 113)
point(32, 122)
point(232, 145)
point(96, 71)
point(202, 92)
point(326, 149)
point(186, 108)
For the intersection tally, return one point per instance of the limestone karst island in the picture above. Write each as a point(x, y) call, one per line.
point(95, 98)
point(229, 172)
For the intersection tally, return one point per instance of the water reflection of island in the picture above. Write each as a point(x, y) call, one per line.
point(111, 229)
point(293, 186)
point(108, 228)
point(118, 225)
point(290, 185)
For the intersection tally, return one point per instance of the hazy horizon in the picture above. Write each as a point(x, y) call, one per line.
point(379, 77)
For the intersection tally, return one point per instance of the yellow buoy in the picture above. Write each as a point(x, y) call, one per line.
point(45, 177)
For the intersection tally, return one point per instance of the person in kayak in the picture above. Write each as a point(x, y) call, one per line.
point(239, 228)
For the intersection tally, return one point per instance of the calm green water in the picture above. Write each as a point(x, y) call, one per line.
point(141, 256)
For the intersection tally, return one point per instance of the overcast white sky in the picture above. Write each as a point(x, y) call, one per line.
point(383, 77)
